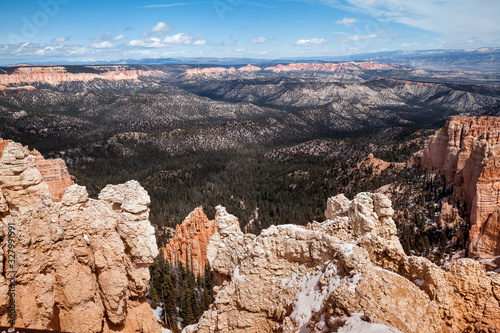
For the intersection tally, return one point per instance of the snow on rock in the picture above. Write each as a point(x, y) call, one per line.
point(356, 324)
point(321, 277)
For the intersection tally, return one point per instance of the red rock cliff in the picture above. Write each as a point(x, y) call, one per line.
point(191, 240)
point(467, 150)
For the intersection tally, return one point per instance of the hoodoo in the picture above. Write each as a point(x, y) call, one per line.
point(81, 265)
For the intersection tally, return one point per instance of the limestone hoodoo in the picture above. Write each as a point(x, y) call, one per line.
point(82, 265)
point(467, 151)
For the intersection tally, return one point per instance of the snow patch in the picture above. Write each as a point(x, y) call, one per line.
point(86, 238)
point(164, 330)
point(189, 328)
point(236, 274)
point(354, 282)
point(355, 324)
point(419, 282)
point(346, 248)
point(310, 297)
point(157, 312)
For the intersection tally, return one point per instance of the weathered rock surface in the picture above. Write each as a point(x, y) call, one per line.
point(348, 270)
point(55, 174)
point(213, 72)
point(55, 75)
point(191, 241)
point(467, 150)
point(82, 264)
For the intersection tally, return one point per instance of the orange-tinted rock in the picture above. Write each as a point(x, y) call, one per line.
point(82, 264)
point(467, 150)
point(191, 240)
point(58, 74)
point(55, 174)
point(296, 67)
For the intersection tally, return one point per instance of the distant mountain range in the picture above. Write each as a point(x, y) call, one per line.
point(483, 59)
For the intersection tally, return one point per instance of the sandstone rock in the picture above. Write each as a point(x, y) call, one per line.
point(55, 174)
point(213, 72)
point(467, 150)
point(82, 264)
point(348, 270)
point(191, 240)
point(58, 74)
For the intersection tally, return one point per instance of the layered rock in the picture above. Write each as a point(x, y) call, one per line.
point(191, 241)
point(467, 151)
point(58, 74)
point(55, 174)
point(347, 272)
point(218, 71)
point(295, 67)
point(82, 264)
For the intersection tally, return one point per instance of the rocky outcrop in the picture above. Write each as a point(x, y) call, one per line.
point(191, 241)
point(54, 173)
point(349, 272)
point(58, 74)
point(329, 67)
point(82, 264)
point(214, 72)
point(467, 151)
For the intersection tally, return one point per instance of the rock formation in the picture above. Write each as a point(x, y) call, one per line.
point(55, 174)
point(296, 67)
point(349, 272)
point(467, 150)
point(82, 264)
point(191, 240)
point(58, 74)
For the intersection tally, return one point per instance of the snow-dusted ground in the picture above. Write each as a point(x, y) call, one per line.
point(354, 324)
point(157, 312)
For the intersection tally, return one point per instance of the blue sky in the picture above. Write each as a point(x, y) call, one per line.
point(40, 31)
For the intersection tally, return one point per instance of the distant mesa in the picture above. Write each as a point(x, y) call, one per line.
point(58, 74)
point(294, 67)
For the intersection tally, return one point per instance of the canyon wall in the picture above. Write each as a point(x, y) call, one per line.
point(191, 241)
point(81, 265)
point(467, 150)
point(58, 74)
point(295, 67)
point(347, 274)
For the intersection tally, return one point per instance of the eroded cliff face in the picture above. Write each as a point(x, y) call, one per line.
point(191, 241)
point(345, 273)
point(55, 75)
point(82, 264)
point(214, 72)
point(467, 150)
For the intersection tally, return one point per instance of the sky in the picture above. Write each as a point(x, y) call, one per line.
point(38, 31)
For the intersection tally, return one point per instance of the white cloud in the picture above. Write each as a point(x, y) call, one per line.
point(48, 49)
point(119, 37)
point(169, 41)
point(311, 42)
point(151, 42)
point(454, 20)
point(102, 45)
point(178, 39)
point(259, 40)
point(61, 39)
point(359, 38)
point(160, 28)
point(348, 22)
point(410, 44)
